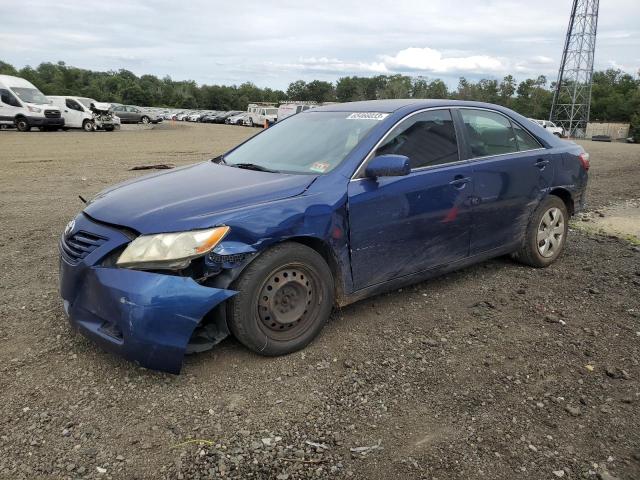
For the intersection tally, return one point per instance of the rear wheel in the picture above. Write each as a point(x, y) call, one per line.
point(22, 125)
point(285, 298)
point(546, 234)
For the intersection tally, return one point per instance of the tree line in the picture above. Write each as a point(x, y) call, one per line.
point(615, 95)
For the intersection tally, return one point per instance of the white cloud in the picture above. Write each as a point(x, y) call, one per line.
point(275, 43)
point(431, 60)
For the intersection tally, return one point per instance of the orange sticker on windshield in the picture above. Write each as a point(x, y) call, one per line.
point(320, 167)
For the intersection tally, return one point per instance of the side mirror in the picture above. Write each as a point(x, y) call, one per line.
point(388, 166)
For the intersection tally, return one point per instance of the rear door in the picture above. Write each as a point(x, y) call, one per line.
point(403, 225)
point(134, 114)
point(511, 172)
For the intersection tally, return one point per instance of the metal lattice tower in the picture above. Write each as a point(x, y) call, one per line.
point(572, 97)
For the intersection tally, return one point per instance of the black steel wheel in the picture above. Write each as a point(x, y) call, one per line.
point(285, 298)
point(22, 125)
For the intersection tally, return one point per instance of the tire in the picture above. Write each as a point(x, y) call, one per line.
point(251, 124)
point(546, 234)
point(22, 125)
point(285, 298)
point(88, 126)
point(146, 120)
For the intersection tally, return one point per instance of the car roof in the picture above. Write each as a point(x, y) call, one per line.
point(389, 106)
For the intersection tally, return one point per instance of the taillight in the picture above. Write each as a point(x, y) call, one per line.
point(584, 161)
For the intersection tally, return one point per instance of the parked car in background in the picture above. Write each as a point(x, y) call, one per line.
point(334, 205)
point(222, 116)
point(287, 109)
point(131, 114)
point(550, 126)
point(23, 105)
point(238, 119)
point(209, 117)
point(85, 113)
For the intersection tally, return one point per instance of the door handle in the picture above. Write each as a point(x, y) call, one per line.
point(541, 163)
point(459, 181)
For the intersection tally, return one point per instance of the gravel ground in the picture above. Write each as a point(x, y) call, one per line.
point(497, 371)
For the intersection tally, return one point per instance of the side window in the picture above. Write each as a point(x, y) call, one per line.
point(489, 133)
point(525, 139)
point(427, 138)
point(73, 105)
point(7, 97)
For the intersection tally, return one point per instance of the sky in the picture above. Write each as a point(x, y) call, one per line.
point(275, 43)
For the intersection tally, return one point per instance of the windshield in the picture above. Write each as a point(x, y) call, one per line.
point(310, 143)
point(86, 101)
point(30, 95)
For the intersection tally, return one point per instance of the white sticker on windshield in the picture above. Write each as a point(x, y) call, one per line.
point(368, 116)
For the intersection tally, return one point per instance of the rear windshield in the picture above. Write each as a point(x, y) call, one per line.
point(309, 143)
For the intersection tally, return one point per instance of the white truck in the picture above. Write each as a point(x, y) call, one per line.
point(85, 113)
point(549, 125)
point(24, 106)
point(258, 114)
point(288, 109)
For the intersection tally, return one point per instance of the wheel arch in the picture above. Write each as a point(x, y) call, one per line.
point(323, 248)
point(566, 197)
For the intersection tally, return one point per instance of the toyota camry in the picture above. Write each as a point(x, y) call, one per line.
point(325, 208)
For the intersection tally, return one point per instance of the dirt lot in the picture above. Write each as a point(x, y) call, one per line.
point(497, 371)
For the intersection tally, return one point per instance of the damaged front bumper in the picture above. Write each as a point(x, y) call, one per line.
point(145, 317)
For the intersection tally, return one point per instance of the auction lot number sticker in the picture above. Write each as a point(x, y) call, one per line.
point(368, 116)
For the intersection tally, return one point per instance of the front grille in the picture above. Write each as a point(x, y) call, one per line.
point(52, 113)
point(80, 244)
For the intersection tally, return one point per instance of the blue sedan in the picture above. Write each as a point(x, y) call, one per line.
point(325, 208)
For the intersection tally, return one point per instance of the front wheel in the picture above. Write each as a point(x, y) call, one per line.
point(285, 298)
point(546, 234)
point(88, 126)
point(145, 120)
point(22, 125)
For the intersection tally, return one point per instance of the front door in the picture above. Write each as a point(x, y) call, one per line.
point(9, 106)
point(73, 114)
point(403, 225)
point(511, 173)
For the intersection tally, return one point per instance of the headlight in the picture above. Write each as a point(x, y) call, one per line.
point(170, 250)
point(33, 109)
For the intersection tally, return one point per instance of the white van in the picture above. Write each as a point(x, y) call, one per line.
point(288, 109)
point(85, 113)
point(23, 105)
point(258, 114)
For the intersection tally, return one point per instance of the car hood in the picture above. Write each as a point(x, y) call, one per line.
point(43, 106)
point(190, 197)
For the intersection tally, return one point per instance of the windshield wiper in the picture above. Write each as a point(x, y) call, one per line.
point(252, 166)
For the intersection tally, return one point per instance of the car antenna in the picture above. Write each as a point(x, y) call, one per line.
point(83, 200)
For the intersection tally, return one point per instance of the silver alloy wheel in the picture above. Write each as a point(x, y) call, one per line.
point(145, 120)
point(550, 232)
